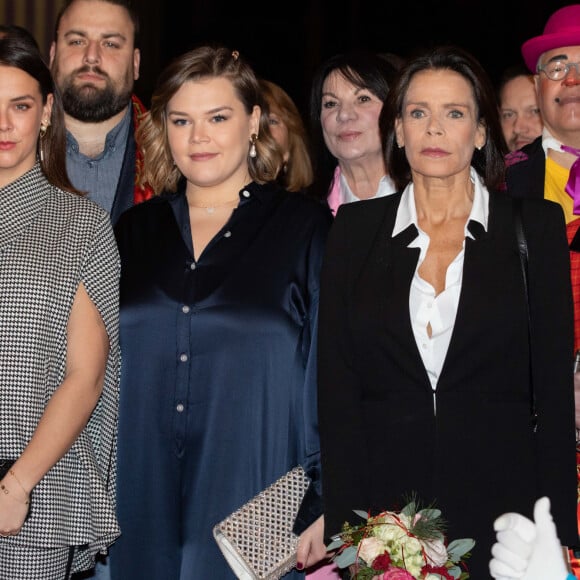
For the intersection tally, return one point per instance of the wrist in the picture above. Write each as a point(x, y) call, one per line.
point(19, 482)
point(9, 489)
point(10, 485)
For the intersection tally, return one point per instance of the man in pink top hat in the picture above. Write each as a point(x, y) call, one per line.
point(542, 168)
point(549, 167)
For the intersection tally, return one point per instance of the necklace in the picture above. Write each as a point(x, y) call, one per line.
point(212, 207)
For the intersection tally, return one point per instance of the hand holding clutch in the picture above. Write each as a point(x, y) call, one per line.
point(257, 539)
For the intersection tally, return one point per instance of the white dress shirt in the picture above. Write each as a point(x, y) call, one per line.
point(425, 307)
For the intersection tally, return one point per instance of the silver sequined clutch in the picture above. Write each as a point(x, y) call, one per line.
point(257, 539)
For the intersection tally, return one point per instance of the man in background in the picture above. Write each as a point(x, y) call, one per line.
point(520, 117)
point(95, 62)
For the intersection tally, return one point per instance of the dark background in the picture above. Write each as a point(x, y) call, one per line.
point(286, 41)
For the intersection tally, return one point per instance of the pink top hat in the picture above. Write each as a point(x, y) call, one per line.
point(562, 29)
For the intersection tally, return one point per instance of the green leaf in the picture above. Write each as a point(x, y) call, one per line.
point(346, 558)
point(455, 571)
point(458, 548)
point(430, 513)
point(410, 509)
point(335, 544)
point(363, 515)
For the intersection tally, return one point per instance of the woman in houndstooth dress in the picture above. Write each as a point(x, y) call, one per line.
point(59, 355)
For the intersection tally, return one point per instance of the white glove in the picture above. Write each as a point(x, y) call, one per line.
point(527, 550)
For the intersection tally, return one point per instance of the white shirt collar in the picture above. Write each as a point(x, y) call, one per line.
point(386, 187)
point(550, 142)
point(407, 211)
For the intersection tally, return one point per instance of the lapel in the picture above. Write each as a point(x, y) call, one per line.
point(402, 265)
point(525, 178)
point(487, 271)
point(381, 273)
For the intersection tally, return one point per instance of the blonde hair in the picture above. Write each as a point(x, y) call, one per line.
point(203, 62)
point(297, 173)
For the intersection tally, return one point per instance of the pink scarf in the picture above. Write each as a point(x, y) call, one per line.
point(334, 198)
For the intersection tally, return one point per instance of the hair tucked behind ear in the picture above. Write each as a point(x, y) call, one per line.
point(210, 61)
point(489, 161)
point(24, 55)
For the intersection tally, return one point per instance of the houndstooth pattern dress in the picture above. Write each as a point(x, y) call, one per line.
point(50, 241)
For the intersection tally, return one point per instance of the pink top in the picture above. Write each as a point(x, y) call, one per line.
point(333, 198)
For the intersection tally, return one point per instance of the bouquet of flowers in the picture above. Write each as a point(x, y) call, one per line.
point(401, 546)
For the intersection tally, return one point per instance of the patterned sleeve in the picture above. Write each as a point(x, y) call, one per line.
point(100, 274)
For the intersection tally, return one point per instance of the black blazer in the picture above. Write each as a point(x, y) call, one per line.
point(476, 456)
point(526, 178)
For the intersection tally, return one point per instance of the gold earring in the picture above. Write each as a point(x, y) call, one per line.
point(43, 129)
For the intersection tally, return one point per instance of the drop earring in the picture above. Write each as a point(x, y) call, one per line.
point(253, 153)
point(42, 133)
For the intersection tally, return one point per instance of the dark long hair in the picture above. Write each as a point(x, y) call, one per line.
point(23, 55)
point(364, 69)
point(489, 161)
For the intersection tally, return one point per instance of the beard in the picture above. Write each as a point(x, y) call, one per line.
point(90, 104)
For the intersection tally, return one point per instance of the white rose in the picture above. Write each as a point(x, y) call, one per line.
point(389, 530)
point(410, 554)
point(409, 546)
point(436, 552)
point(414, 565)
point(370, 548)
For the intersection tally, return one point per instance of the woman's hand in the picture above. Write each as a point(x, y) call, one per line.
point(311, 547)
point(14, 504)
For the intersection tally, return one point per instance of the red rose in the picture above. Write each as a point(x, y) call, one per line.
point(382, 562)
point(441, 570)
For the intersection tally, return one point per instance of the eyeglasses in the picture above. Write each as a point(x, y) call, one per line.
point(558, 69)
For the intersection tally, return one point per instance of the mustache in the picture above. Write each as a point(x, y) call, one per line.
point(91, 69)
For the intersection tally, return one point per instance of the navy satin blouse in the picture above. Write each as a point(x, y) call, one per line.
point(218, 358)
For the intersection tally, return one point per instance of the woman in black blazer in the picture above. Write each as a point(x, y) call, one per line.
point(424, 366)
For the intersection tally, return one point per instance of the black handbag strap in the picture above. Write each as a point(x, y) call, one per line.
point(523, 251)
